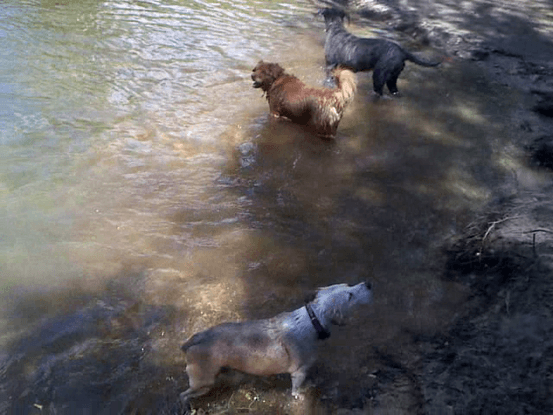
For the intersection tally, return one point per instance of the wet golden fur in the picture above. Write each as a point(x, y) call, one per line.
point(320, 109)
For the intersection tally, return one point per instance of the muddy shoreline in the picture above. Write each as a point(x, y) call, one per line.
point(497, 356)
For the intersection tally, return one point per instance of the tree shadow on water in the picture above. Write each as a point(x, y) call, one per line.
point(379, 202)
point(90, 353)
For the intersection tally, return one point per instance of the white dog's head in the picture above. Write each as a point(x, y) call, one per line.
point(334, 303)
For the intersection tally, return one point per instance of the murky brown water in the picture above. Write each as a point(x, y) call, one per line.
point(145, 195)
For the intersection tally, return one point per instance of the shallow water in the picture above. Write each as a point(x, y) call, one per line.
point(145, 195)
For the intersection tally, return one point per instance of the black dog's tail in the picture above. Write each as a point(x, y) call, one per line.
point(419, 61)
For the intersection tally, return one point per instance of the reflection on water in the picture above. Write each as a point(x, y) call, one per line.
point(145, 195)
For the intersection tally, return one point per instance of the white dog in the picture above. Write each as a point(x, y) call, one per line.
point(285, 343)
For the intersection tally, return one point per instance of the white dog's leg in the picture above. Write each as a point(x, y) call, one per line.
point(297, 380)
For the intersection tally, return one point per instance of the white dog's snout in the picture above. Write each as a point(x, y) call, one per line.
point(365, 292)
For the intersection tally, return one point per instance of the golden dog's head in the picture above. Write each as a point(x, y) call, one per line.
point(265, 74)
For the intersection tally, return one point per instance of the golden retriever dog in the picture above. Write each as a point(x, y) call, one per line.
point(320, 109)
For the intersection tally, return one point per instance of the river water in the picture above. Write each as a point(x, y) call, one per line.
point(146, 195)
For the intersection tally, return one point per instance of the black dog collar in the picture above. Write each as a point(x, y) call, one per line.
point(321, 331)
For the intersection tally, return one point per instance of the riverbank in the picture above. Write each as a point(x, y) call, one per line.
point(497, 357)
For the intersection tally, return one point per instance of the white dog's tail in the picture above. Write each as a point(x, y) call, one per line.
point(202, 337)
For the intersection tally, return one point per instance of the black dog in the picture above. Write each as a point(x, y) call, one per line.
point(386, 58)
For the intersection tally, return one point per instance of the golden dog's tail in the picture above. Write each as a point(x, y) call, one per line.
point(346, 85)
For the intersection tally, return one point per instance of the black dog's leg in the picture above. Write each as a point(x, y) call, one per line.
point(392, 78)
point(379, 79)
point(392, 85)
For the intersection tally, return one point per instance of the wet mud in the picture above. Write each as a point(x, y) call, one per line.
point(497, 356)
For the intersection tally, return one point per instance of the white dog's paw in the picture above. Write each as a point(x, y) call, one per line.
point(300, 397)
point(301, 404)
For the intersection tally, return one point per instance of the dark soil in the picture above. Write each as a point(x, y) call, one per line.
point(497, 357)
